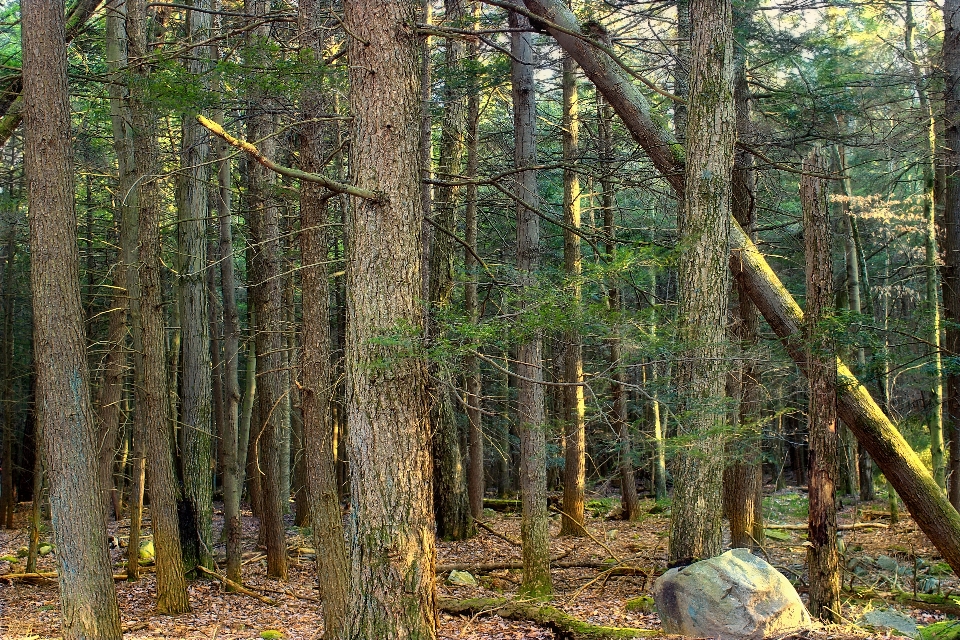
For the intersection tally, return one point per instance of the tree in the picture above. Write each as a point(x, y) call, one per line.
point(534, 526)
point(392, 541)
point(704, 282)
point(87, 597)
point(153, 399)
point(822, 559)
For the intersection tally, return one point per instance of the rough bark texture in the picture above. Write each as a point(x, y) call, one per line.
point(153, 400)
point(392, 553)
point(320, 443)
point(88, 600)
point(196, 401)
point(271, 428)
point(822, 560)
point(574, 471)
point(534, 526)
point(704, 283)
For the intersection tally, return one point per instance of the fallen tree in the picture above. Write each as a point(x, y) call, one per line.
point(924, 499)
point(563, 625)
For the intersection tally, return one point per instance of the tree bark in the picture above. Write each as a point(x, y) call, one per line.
point(153, 400)
point(704, 283)
point(951, 216)
point(392, 552)
point(534, 525)
point(333, 568)
point(196, 400)
point(88, 598)
point(574, 409)
point(266, 294)
point(822, 560)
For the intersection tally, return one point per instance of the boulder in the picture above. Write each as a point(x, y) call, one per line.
point(890, 619)
point(461, 579)
point(734, 595)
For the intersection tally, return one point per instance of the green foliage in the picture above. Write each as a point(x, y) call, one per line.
point(271, 634)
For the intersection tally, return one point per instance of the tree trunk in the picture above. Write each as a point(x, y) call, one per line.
point(743, 476)
point(704, 283)
point(265, 290)
point(233, 441)
point(451, 500)
point(392, 553)
point(320, 464)
point(474, 390)
point(152, 397)
point(534, 526)
point(196, 396)
point(822, 560)
point(574, 409)
point(951, 217)
point(8, 499)
point(88, 598)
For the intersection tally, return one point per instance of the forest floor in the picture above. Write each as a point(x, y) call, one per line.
point(884, 566)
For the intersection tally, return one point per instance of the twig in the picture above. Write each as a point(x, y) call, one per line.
point(238, 588)
point(502, 536)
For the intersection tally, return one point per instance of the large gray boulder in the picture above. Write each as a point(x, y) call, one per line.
point(734, 595)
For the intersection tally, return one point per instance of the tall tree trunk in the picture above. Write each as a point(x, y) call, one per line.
point(822, 560)
point(534, 526)
point(8, 499)
point(451, 500)
point(273, 399)
point(233, 468)
point(152, 397)
point(470, 302)
point(320, 464)
point(574, 409)
point(88, 600)
point(196, 395)
point(704, 282)
point(743, 476)
point(951, 214)
point(392, 552)
point(930, 256)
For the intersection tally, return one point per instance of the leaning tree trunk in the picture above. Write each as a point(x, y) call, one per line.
point(574, 409)
point(195, 389)
point(822, 560)
point(451, 500)
point(88, 600)
point(266, 294)
point(392, 552)
point(704, 282)
point(153, 401)
point(534, 525)
point(319, 438)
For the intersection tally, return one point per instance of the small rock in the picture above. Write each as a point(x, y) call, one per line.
point(642, 604)
point(774, 534)
point(461, 579)
point(735, 595)
point(929, 585)
point(44, 549)
point(890, 619)
point(890, 564)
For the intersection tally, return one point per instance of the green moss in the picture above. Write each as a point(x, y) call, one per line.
point(271, 634)
point(946, 630)
point(643, 604)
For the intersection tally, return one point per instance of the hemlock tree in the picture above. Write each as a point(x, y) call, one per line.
point(534, 525)
point(87, 596)
point(704, 283)
point(392, 554)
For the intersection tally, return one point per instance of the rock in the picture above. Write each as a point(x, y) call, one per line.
point(461, 579)
point(890, 619)
point(45, 549)
point(774, 534)
point(734, 595)
point(890, 564)
point(929, 585)
point(641, 604)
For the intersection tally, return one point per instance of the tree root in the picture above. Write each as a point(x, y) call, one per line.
point(563, 625)
point(238, 588)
